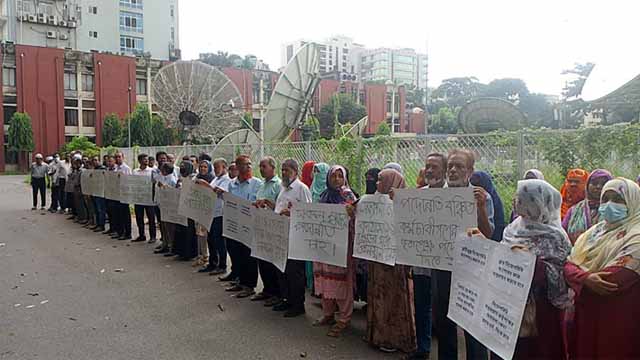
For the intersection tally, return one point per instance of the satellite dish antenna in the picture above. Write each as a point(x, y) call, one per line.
point(489, 114)
point(358, 128)
point(193, 95)
point(226, 147)
point(292, 94)
point(612, 80)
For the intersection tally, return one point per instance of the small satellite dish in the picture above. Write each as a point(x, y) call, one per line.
point(193, 95)
point(358, 128)
point(292, 94)
point(227, 146)
point(489, 114)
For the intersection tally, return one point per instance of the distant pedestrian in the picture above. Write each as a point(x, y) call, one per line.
point(39, 171)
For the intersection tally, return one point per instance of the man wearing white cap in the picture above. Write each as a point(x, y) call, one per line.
point(38, 173)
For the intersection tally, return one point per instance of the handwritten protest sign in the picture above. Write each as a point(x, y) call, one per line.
point(375, 239)
point(85, 185)
point(319, 232)
point(97, 183)
point(197, 202)
point(136, 189)
point(489, 288)
point(427, 223)
point(271, 237)
point(237, 223)
point(168, 199)
point(112, 185)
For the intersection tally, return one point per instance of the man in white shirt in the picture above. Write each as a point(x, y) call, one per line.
point(293, 285)
point(215, 241)
point(140, 210)
point(122, 210)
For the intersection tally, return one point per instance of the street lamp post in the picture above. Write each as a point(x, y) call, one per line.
point(393, 105)
point(129, 117)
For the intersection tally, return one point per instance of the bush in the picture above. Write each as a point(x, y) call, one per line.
point(80, 143)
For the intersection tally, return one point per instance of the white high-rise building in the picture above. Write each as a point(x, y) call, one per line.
point(338, 54)
point(402, 66)
point(129, 27)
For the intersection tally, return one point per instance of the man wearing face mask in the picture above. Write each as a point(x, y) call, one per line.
point(459, 168)
point(294, 280)
point(266, 198)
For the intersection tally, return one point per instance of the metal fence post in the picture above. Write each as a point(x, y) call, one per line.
point(307, 150)
point(521, 145)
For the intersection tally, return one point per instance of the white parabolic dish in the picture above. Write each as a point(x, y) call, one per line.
point(607, 77)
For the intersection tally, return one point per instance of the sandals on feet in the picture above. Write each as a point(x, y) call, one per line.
point(337, 329)
point(327, 320)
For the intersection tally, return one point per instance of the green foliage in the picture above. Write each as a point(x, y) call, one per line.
point(112, 131)
point(162, 135)
point(311, 129)
point(444, 122)
point(82, 144)
point(20, 134)
point(141, 127)
point(383, 129)
point(224, 59)
point(457, 91)
point(342, 109)
point(507, 88)
point(246, 122)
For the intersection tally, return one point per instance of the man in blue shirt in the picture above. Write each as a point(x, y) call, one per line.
point(245, 186)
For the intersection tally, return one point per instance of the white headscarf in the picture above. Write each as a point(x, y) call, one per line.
point(538, 227)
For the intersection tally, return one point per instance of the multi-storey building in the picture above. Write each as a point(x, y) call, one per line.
point(338, 55)
point(126, 27)
point(401, 66)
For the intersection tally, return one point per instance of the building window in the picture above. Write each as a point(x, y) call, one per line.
point(87, 82)
point(88, 118)
point(70, 81)
point(93, 10)
point(131, 44)
point(134, 4)
point(93, 34)
point(131, 22)
point(173, 34)
point(70, 117)
point(10, 106)
point(25, 6)
point(45, 8)
point(9, 77)
point(172, 10)
point(141, 86)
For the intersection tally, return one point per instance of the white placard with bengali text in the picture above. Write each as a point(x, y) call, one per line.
point(168, 199)
point(374, 237)
point(237, 222)
point(319, 232)
point(428, 222)
point(197, 202)
point(489, 289)
point(112, 185)
point(271, 237)
point(85, 183)
point(136, 189)
point(97, 183)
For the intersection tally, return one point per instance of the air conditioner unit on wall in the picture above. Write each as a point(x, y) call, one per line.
point(52, 20)
point(51, 35)
point(63, 36)
point(72, 24)
point(62, 23)
point(32, 18)
point(42, 18)
point(24, 17)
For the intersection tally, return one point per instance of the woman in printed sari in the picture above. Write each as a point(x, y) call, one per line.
point(390, 323)
point(538, 230)
point(574, 189)
point(334, 283)
point(483, 179)
point(604, 271)
point(585, 213)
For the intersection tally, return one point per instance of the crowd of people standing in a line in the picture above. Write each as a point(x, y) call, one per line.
point(586, 238)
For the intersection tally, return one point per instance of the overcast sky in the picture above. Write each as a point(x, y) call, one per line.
point(533, 40)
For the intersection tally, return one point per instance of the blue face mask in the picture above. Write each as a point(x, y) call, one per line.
point(612, 212)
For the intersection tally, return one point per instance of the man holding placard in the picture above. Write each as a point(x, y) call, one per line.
point(122, 211)
point(245, 186)
point(294, 280)
point(141, 210)
point(266, 198)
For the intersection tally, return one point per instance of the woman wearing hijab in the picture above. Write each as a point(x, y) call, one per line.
point(530, 174)
point(362, 266)
point(585, 213)
point(390, 323)
point(186, 242)
point(319, 184)
point(574, 189)
point(395, 166)
point(538, 230)
point(306, 175)
point(483, 180)
point(604, 271)
point(334, 283)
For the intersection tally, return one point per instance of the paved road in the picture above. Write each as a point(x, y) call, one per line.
point(156, 309)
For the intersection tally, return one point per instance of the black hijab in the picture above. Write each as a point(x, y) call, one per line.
point(372, 184)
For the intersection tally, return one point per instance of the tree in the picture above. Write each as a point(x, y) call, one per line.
point(311, 129)
point(579, 73)
point(162, 135)
point(342, 109)
point(415, 97)
point(20, 137)
point(141, 127)
point(457, 91)
point(383, 129)
point(219, 59)
point(249, 62)
point(444, 122)
point(81, 143)
point(538, 111)
point(507, 88)
point(112, 131)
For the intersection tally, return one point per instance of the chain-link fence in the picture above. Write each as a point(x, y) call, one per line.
point(506, 156)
